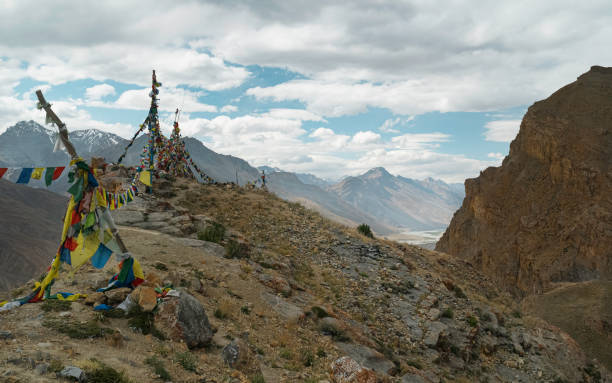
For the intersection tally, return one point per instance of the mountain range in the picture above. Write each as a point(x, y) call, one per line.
point(389, 204)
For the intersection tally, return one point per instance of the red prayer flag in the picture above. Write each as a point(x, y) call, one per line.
point(2, 171)
point(58, 172)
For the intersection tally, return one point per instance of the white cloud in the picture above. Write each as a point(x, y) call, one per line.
point(502, 130)
point(97, 92)
point(365, 138)
point(294, 114)
point(229, 109)
point(417, 141)
point(497, 156)
point(171, 98)
point(388, 125)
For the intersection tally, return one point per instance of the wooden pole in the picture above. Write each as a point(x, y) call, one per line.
point(63, 133)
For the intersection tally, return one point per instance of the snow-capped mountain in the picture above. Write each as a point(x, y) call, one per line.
point(95, 142)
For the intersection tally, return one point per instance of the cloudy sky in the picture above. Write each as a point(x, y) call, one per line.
point(423, 88)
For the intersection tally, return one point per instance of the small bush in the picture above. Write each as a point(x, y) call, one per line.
point(319, 312)
point(472, 321)
point(448, 313)
point(337, 334)
point(235, 249)
point(103, 373)
point(321, 352)
point(49, 305)
point(365, 230)
point(415, 363)
point(187, 360)
point(158, 368)
point(486, 317)
point(308, 358)
point(160, 266)
point(258, 378)
point(285, 353)
point(459, 293)
point(219, 314)
point(55, 366)
point(516, 314)
point(212, 233)
point(143, 321)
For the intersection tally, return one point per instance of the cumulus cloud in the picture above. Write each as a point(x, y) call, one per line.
point(388, 125)
point(502, 130)
point(97, 92)
point(138, 99)
point(365, 138)
point(229, 109)
point(497, 156)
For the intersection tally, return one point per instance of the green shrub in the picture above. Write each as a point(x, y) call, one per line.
point(448, 313)
point(143, 321)
point(212, 233)
point(516, 314)
point(308, 358)
point(158, 368)
point(235, 249)
point(321, 352)
point(219, 314)
point(285, 353)
point(319, 312)
point(365, 230)
point(472, 321)
point(103, 373)
point(415, 363)
point(459, 293)
point(258, 378)
point(187, 360)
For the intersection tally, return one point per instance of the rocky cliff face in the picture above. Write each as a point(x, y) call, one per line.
point(545, 215)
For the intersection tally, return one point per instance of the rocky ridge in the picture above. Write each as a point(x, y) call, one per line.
point(545, 215)
point(292, 297)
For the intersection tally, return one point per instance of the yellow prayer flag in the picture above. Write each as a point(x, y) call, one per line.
point(86, 249)
point(145, 177)
point(37, 173)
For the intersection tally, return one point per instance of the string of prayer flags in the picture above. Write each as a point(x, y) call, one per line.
point(26, 174)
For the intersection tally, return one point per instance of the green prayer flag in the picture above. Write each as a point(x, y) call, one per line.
point(77, 190)
point(49, 175)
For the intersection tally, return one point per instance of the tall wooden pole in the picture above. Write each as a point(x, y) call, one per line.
point(63, 133)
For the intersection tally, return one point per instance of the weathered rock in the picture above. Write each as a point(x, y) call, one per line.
point(159, 216)
point(367, 357)
point(145, 296)
point(238, 355)
point(127, 217)
point(285, 309)
point(278, 284)
point(73, 373)
point(433, 334)
point(544, 216)
point(6, 335)
point(94, 299)
point(208, 247)
point(115, 296)
point(41, 368)
point(184, 318)
point(347, 370)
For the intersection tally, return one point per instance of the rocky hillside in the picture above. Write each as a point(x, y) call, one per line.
point(545, 215)
point(31, 227)
point(281, 295)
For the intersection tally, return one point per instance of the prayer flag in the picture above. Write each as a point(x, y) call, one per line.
point(145, 177)
point(2, 171)
point(37, 173)
point(58, 172)
point(25, 175)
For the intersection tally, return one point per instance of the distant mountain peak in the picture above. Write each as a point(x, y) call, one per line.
point(26, 128)
point(377, 172)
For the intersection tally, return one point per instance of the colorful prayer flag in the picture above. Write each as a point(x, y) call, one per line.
point(37, 173)
point(2, 171)
point(145, 177)
point(25, 175)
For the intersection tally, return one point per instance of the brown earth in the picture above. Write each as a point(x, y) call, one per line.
point(545, 215)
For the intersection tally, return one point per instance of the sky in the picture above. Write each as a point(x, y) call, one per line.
point(422, 88)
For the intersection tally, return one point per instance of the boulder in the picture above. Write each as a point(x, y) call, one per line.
point(184, 318)
point(95, 299)
point(116, 296)
point(238, 355)
point(73, 373)
point(347, 370)
point(145, 296)
point(367, 357)
point(278, 284)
